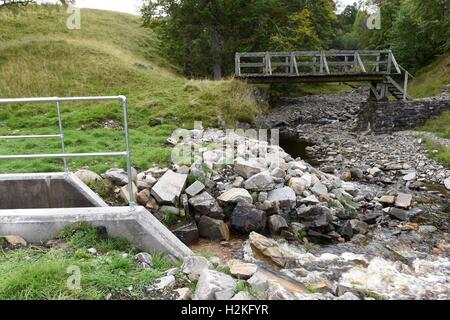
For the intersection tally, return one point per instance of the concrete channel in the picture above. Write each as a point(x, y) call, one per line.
point(38, 206)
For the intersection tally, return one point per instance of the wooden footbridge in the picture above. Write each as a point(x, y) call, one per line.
point(379, 68)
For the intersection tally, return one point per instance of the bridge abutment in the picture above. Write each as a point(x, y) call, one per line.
point(389, 116)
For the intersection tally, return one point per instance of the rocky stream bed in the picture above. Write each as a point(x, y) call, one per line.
point(358, 216)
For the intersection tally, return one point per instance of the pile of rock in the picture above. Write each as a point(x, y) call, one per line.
point(265, 192)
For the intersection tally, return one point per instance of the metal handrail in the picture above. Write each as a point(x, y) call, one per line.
point(64, 155)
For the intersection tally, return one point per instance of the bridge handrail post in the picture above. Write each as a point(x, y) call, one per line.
point(405, 87)
point(238, 64)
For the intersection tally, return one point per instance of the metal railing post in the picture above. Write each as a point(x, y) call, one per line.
point(61, 132)
point(132, 201)
point(66, 156)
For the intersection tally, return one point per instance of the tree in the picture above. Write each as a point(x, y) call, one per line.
point(11, 3)
point(202, 35)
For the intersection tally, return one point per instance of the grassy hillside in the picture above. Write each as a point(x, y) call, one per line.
point(112, 54)
point(429, 82)
point(431, 79)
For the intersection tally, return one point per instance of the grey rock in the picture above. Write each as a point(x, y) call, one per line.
point(205, 204)
point(399, 214)
point(315, 216)
point(241, 270)
point(87, 176)
point(359, 226)
point(403, 200)
point(168, 189)
point(447, 183)
point(195, 189)
point(319, 189)
point(212, 283)
point(236, 195)
point(297, 184)
point(277, 292)
point(187, 233)
point(259, 283)
point(213, 229)
point(410, 176)
point(278, 173)
point(237, 183)
point(117, 176)
point(249, 168)
point(260, 182)
point(144, 260)
point(145, 180)
point(164, 283)
point(312, 199)
point(427, 229)
point(357, 174)
point(277, 223)
point(194, 266)
point(245, 218)
point(169, 210)
point(284, 197)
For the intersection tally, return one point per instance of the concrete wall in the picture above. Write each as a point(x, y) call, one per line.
point(384, 117)
point(52, 190)
point(137, 225)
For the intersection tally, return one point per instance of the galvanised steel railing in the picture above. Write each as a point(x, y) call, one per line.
point(64, 155)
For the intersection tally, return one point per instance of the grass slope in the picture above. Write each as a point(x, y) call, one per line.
point(38, 273)
point(431, 79)
point(429, 82)
point(112, 54)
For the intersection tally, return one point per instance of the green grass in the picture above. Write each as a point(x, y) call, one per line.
point(438, 125)
point(38, 273)
point(112, 54)
point(438, 152)
point(431, 79)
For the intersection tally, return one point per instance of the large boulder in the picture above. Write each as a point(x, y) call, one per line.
point(187, 233)
point(213, 229)
point(117, 176)
point(260, 182)
point(319, 189)
point(87, 176)
point(241, 270)
point(245, 218)
point(235, 195)
point(283, 197)
point(315, 216)
point(168, 189)
point(145, 181)
point(205, 204)
point(213, 285)
point(248, 168)
point(277, 223)
point(271, 250)
point(195, 188)
point(298, 185)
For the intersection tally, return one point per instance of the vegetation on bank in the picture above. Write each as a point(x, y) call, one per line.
point(111, 272)
point(112, 54)
point(430, 80)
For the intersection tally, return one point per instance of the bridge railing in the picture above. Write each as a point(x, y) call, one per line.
point(312, 63)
